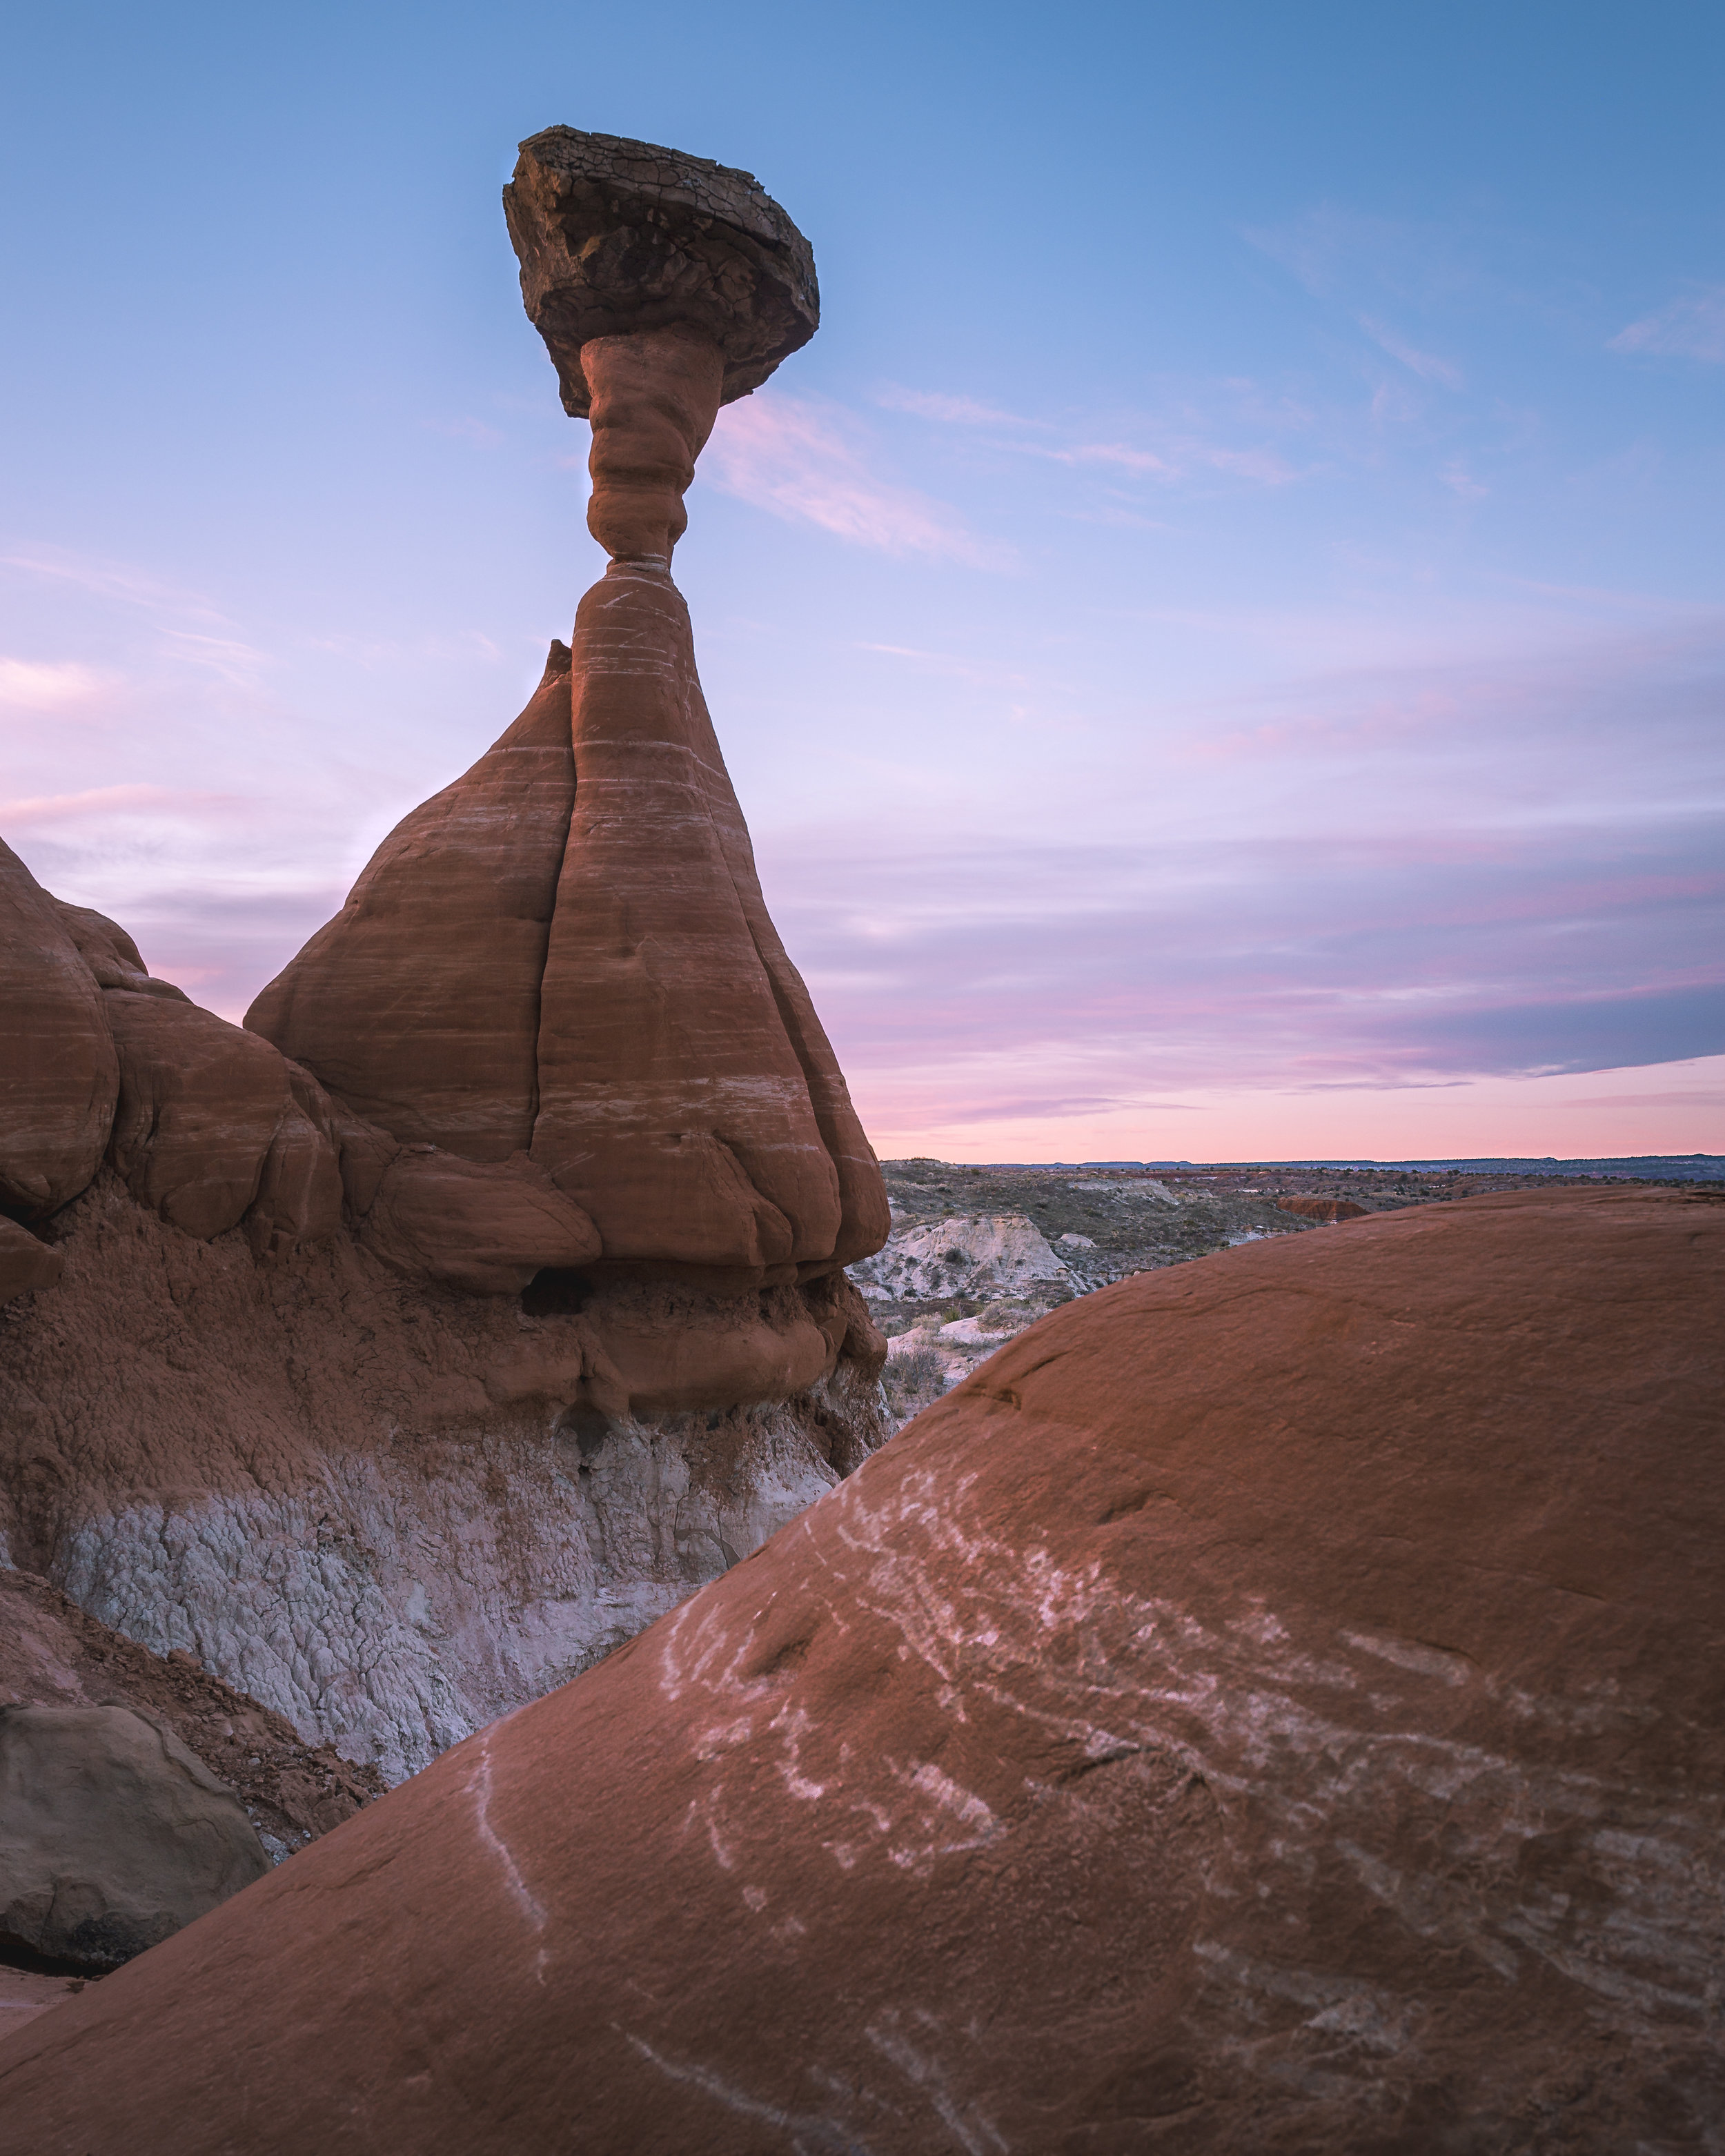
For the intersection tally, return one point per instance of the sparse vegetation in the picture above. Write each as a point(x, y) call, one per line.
point(913, 1379)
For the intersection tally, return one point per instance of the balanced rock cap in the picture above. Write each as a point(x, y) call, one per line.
point(615, 236)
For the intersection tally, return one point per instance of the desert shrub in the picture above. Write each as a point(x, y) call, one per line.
point(913, 1379)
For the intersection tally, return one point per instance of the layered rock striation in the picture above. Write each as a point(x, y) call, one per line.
point(1273, 1704)
point(514, 1223)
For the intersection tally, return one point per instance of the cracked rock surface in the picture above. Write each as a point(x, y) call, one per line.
point(361, 1498)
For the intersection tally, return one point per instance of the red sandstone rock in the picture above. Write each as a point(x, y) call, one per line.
point(25, 1262)
point(1321, 1208)
point(689, 1099)
point(488, 1228)
point(200, 1103)
point(600, 983)
point(418, 1004)
point(654, 396)
point(1273, 1705)
point(298, 1198)
point(390, 1509)
point(111, 953)
point(58, 1074)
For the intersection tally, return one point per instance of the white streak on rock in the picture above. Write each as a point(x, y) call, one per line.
point(811, 2135)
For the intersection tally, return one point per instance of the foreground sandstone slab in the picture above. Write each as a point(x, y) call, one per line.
point(1274, 1705)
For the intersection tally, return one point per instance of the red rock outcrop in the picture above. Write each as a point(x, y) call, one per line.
point(199, 1105)
point(1321, 1208)
point(688, 1098)
point(58, 1072)
point(1273, 1705)
point(388, 1507)
point(551, 1057)
point(418, 1004)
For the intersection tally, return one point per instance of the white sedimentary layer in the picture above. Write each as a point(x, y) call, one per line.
point(968, 1253)
point(393, 1611)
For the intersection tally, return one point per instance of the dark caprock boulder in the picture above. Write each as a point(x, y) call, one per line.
point(1275, 1704)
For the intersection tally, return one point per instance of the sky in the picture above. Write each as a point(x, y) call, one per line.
point(1219, 639)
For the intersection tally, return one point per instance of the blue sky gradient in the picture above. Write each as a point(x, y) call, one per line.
point(1219, 638)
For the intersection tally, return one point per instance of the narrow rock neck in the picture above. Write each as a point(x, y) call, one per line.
point(655, 394)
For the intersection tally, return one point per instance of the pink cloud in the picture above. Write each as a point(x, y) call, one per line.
point(807, 464)
point(105, 801)
point(49, 686)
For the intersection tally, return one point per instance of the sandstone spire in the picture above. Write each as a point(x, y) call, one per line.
point(567, 952)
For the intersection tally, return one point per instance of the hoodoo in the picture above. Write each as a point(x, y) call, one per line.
point(502, 1254)
point(566, 953)
point(1272, 1705)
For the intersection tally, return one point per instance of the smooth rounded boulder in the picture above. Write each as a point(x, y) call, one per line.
point(113, 1834)
point(200, 1104)
point(1275, 1703)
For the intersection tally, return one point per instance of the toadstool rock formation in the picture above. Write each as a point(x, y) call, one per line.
point(1273, 1704)
point(414, 1345)
point(567, 952)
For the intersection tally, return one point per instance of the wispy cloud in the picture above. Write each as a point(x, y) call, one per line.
point(1426, 365)
point(1408, 879)
point(1690, 327)
point(1182, 447)
point(1332, 249)
point(950, 411)
point(1178, 459)
point(809, 464)
point(476, 431)
point(225, 656)
point(1459, 480)
point(49, 685)
point(106, 801)
point(111, 580)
